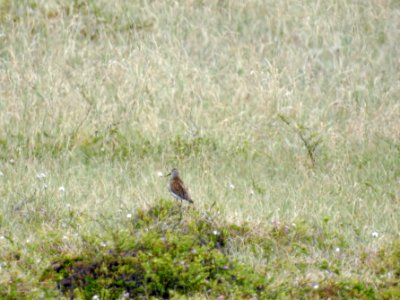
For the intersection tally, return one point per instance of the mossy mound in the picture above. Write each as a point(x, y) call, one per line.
point(169, 250)
point(172, 250)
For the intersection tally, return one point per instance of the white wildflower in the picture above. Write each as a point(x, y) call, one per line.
point(231, 186)
point(41, 176)
point(1, 173)
point(160, 174)
point(215, 232)
point(337, 250)
point(374, 234)
point(61, 189)
point(129, 216)
point(96, 297)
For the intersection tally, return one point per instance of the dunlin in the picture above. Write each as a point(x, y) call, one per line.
point(177, 188)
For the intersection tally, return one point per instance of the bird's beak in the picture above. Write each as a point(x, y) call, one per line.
point(167, 175)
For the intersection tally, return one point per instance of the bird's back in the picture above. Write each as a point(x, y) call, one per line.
point(179, 190)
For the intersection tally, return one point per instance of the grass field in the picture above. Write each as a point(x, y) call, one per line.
point(282, 116)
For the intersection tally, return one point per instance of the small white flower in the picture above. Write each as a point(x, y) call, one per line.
point(389, 275)
point(160, 174)
point(215, 232)
point(1, 173)
point(28, 241)
point(374, 234)
point(96, 297)
point(2, 237)
point(129, 216)
point(45, 186)
point(41, 175)
point(61, 189)
point(315, 286)
point(65, 237)
point(12, 161)
point(337, 250)
point(231, 186)
point(251, 192)
point(125, 295)
point(68, 205)
point(103, 244)
point(288, 93)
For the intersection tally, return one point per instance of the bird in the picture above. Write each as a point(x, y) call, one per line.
point(177, 187)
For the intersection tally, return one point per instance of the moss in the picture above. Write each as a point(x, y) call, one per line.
point(389, 259)
point(165, 252)
point(352, 289)
point(386, 265)
point(166, 264)
point(169, 250)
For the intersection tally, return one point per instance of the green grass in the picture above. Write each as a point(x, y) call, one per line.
point(284, 114)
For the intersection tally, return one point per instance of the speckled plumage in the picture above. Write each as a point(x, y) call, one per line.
point(177, 187)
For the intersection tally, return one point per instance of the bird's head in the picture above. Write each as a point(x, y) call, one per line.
point(174, 173)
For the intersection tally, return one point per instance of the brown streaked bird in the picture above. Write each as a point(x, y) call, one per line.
point(177, 188)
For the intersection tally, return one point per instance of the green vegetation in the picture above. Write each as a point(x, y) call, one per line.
point(170, 250)
point(165, 253)
point(282, 117)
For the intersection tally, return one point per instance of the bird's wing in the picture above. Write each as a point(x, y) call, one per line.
point(180, 190)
